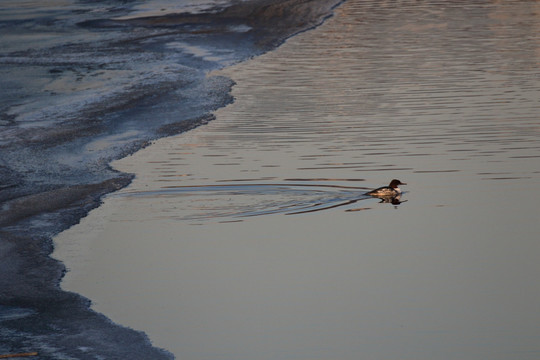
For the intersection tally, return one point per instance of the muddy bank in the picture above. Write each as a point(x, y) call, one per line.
point(70, 107)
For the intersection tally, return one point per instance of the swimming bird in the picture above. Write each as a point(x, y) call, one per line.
point(392, 190)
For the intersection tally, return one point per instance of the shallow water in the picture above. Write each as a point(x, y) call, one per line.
point(215, 253)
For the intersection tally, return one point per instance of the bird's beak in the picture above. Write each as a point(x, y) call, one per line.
point(403, 183)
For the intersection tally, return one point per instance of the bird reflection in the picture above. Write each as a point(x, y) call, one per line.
point(394, 200)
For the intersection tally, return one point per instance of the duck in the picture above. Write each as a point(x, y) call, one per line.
point(392, 190)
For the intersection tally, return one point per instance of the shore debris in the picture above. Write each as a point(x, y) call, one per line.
point(7, 356)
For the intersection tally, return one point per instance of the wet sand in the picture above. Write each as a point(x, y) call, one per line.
point(200, 254)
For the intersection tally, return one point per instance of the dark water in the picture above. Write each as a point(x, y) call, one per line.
point(209, 252)
point(84, 83)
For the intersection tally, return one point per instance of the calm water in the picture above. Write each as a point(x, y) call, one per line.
point(249, 238)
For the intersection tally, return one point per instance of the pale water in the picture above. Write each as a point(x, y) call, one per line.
point(250, 237)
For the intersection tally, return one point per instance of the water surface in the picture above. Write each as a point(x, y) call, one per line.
point(202, 252)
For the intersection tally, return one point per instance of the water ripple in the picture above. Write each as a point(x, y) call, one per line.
point(246, 200)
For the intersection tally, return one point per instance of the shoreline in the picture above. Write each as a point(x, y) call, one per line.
point(35, 314)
